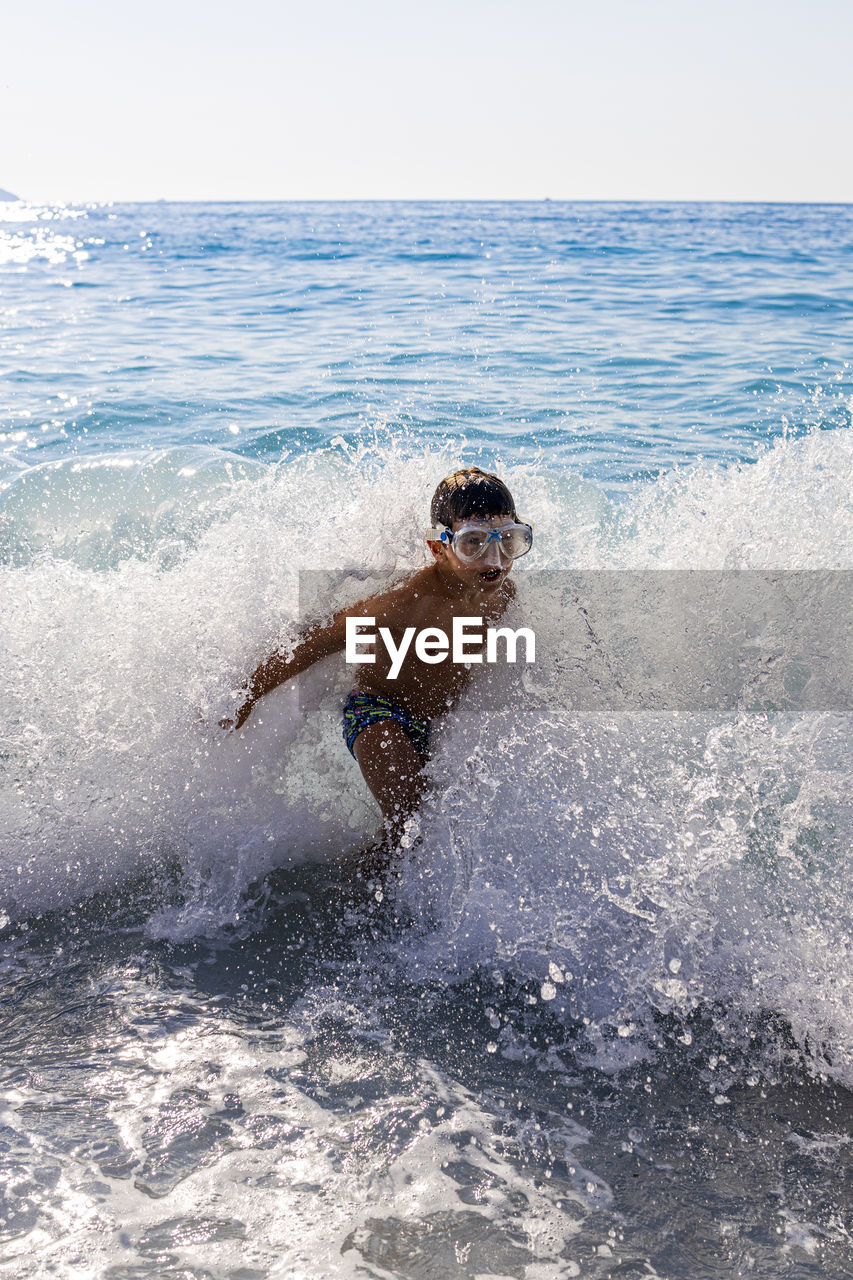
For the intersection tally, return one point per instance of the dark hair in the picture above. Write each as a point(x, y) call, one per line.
point(470, 492)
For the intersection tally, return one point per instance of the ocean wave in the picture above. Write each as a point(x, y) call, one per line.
point(629, 863)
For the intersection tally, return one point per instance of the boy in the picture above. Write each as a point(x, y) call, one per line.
point(387, 718)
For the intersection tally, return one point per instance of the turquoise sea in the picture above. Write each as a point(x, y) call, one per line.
point(600, 1024)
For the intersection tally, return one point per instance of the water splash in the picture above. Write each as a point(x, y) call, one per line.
point(630, 867)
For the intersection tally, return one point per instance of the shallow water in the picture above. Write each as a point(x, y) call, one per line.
point(276, 1101)
point(600, 1023)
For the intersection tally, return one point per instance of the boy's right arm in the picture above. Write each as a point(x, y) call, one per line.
point(318, 644)
point(389, 608)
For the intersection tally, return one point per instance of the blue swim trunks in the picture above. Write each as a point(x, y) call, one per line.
point(364, 709)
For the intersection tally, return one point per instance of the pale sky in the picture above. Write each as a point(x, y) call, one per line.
point(445, 99)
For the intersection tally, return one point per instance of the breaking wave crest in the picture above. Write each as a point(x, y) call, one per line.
point(635, 863)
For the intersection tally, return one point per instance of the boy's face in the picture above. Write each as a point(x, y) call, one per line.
point(488, 572)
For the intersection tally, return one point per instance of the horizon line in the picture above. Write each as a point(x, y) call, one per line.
point(615, 200)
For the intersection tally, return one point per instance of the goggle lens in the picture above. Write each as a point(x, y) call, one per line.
point(470, 544)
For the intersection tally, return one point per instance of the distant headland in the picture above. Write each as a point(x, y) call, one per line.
point(7, 195)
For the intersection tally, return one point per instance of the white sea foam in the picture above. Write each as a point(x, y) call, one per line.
point(629, 861)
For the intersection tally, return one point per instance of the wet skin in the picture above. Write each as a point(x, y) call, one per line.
point(432, 597)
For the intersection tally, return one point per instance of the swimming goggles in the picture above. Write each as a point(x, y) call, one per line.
point(471, 541)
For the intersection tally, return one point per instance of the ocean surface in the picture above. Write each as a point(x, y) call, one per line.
point(600, 1022)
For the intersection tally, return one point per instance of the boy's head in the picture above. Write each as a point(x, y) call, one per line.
point(470, 494)
point(484, 535)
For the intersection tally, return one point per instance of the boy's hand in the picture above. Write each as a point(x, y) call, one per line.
point(231, 723)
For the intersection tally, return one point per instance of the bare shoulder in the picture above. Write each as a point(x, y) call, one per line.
point(395, 606)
